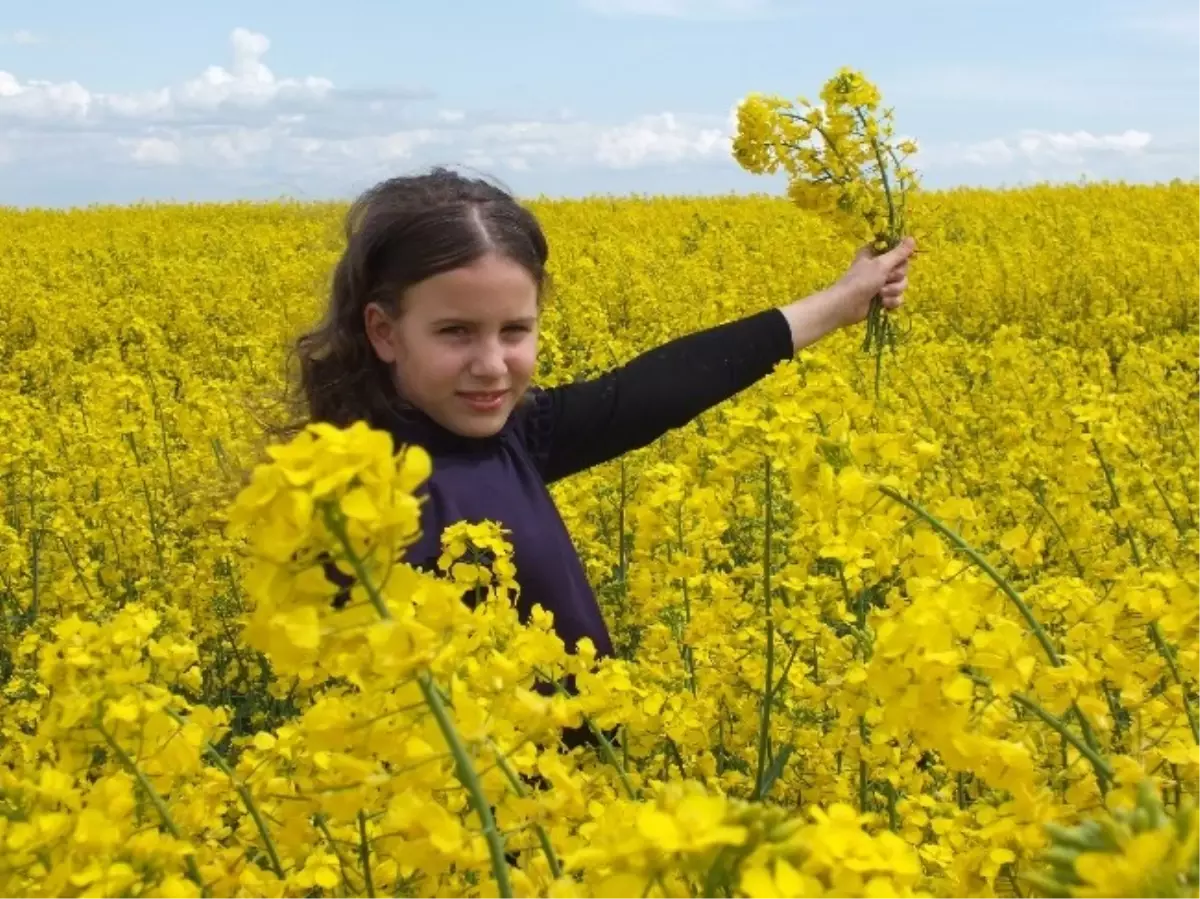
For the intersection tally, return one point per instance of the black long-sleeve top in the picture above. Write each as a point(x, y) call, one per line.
point(564, 430)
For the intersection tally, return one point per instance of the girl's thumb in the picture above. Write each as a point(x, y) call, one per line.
point(901, 251)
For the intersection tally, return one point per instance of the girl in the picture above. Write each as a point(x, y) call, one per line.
point(432, 335)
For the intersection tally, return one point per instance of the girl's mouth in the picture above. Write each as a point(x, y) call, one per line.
point(484, 401)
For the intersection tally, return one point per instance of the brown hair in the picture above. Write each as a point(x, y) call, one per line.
point(398, 233)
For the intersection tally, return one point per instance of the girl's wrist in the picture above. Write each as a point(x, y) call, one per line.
point(814, 316)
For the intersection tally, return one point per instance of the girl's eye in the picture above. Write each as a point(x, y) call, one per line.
point(463, 331)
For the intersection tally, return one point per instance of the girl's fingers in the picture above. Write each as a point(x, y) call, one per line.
point(893, 289)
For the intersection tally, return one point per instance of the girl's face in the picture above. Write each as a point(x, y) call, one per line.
point(464, 346)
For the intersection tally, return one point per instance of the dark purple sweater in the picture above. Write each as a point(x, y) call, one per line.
point(565, 430)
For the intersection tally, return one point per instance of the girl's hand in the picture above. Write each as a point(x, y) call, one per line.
point(869, 275)
point(848, 300)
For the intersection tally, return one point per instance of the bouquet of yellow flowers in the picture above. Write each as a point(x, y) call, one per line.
point(842, 160)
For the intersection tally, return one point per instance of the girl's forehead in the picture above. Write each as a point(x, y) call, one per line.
point(488, 288)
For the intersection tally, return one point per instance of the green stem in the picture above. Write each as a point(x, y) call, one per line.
point(1012, 879)
point(1164, 650)
point(35, 536)
point(132, 769)
point(1116, 503)
point(893, 814)
point(337, 527)
point(983, 564)
point(887, 189)
point(75, 565)
point(864, 798)
point(606, 750)
point(319, 823)
point(243, 792)
point(162, 426)
point(467, 777)
point(543, 837)
point(364, 854)
point(1104, 770)
point(1058, 527)
point(1155, 631)
point(433, 698)
point(764, 733)
point(1008, 591)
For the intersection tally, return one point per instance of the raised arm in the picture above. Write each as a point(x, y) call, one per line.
point(576, 426)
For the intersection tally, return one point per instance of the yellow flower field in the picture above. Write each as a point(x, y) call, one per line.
point(937, 640)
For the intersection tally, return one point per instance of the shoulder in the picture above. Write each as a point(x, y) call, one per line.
point(532, 422)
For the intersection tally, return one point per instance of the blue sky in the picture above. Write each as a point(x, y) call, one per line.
point(131, 100)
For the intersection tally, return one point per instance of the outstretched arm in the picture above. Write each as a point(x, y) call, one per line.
point(576, 426)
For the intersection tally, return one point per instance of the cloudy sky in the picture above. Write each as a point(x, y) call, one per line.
point(134, 100)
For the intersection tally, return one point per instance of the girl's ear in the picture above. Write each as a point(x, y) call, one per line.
point(380, 327)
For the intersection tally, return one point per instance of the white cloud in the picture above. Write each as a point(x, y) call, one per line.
point(1072, 147)
point(988, 152)
point(42, 99)
point(659, 139)
point(1171, 23)
point(241, 124)
point(241, 146)
point(248, 81)
point(247, 84)
point(156, 151)
point(1053, 147)
point(680, 9)
point(20, 36)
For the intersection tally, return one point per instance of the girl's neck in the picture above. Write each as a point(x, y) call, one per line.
point(409, 424)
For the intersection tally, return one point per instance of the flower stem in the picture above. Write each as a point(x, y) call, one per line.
point(1104, 771)
point(991, 572)
point(464, 770)
point(764, 732)
point(319, 823)
point(606, 749)
point(467, 777)
point(243, 792)
point(132, 769)
point(1040, 500)
point(364, 854)
point(543, 837)
point(337, 526)
point(1160, 643)
point(1007, 588)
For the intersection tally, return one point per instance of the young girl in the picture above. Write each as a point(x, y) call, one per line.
point(432, 335)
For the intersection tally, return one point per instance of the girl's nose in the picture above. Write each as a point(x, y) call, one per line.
point(488, 362)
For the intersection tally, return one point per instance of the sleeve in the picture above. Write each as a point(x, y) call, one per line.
point(576, 426)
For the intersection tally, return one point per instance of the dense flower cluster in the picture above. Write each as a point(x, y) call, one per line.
point(935, 640)
point(842, 161)
point(841, 158)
